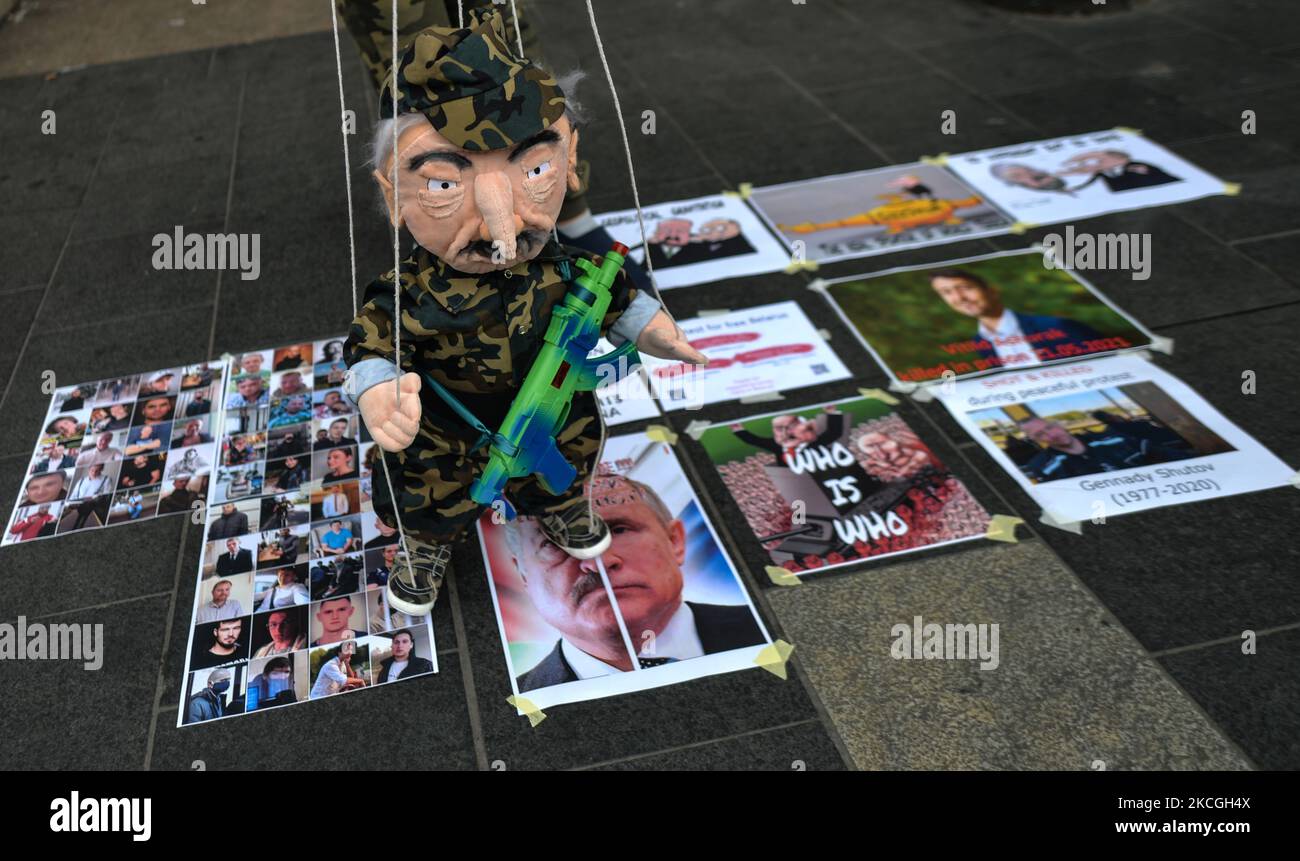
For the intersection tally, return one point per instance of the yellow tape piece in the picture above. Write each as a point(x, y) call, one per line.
point(661, 433)
point(531, 711)
point(782, 576)
point(1003, 528)
point(880, 395)
point(743, 191)
point(938, 160)
point(800, 265)
point(1021, 227)
point(1232, 189)
point(1128, 129)
point(774, 656)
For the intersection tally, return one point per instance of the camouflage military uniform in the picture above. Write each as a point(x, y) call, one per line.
point(477, 335)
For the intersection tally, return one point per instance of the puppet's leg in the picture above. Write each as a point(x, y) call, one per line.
point(567, 519)
point(432, 488)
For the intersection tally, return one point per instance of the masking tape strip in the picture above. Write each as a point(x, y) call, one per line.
point(880, 395)
point(1128, 129)
point(1161, 344)
point(713, 312)
point(1048, 519)
point(696, 429)
point(762, 397)
point(939, 160)
point(527, 708)
point(661, 433)
point(818, 285)
point(1232, 189)
point(1295, 481)
point(743, 191)
point(1002, 527)
point(782, 576)
point(825, 334)
point(1021, 227)
point(900, 386)
point(774, 656)
point(799, 266)
point(923, 394)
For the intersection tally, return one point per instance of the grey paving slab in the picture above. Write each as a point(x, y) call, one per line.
point(1280, 255)
point(805, 747)
point(1174, 63)
point(160, 198)
point(1073, 32)
point(74, 718)
point(906, 121)
point(1258, 23)
point(1071, 687)
point(1232, 154)
point(20, 307)
point(1275, 115)
point(103, 280)
point(1253, 697)
point(1269, 203)
point(32, 244)
point(1106, 99)
point(1024, 61)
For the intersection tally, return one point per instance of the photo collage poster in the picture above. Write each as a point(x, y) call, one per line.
point(668, 607)
point(980, 315)
point(291, 602)
point(839, 483)
point(119, 451)
point(1094, 439)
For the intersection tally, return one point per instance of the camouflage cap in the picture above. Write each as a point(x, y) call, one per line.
point(472, 87)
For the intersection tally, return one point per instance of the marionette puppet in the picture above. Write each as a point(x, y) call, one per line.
point(493, 403)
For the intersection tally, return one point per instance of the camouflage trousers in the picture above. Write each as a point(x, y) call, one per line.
point(370, 24)
point(432, 477)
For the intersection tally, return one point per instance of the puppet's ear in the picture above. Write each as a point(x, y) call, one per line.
point(385, 186)
point(575, 183)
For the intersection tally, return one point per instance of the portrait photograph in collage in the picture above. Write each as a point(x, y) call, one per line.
point(119, 451)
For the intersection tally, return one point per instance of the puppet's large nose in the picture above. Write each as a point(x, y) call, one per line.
point(496, 203)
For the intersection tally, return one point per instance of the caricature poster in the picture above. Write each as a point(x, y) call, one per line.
point(839, 483)
point(876, 212)
point(699, 240)
point(1070, 178)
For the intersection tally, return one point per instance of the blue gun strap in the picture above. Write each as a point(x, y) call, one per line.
point(472, 420)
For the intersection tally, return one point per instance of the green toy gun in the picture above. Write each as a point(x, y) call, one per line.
point(526, 442)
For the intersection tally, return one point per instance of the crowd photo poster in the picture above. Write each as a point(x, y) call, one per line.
point(980, 315)
point(838, 483)
point(1081, 176)
point(663, 605)
point(1098, 438)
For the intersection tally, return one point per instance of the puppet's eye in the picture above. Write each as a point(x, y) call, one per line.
point(539, 170)
point(442, 184)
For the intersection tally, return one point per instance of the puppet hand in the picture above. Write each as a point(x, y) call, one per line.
point(393, 428)
point(662, 339)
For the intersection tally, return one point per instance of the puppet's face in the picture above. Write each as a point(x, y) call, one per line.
point(482, 211)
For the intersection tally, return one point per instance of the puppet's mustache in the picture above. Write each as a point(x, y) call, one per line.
point(526, 238)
